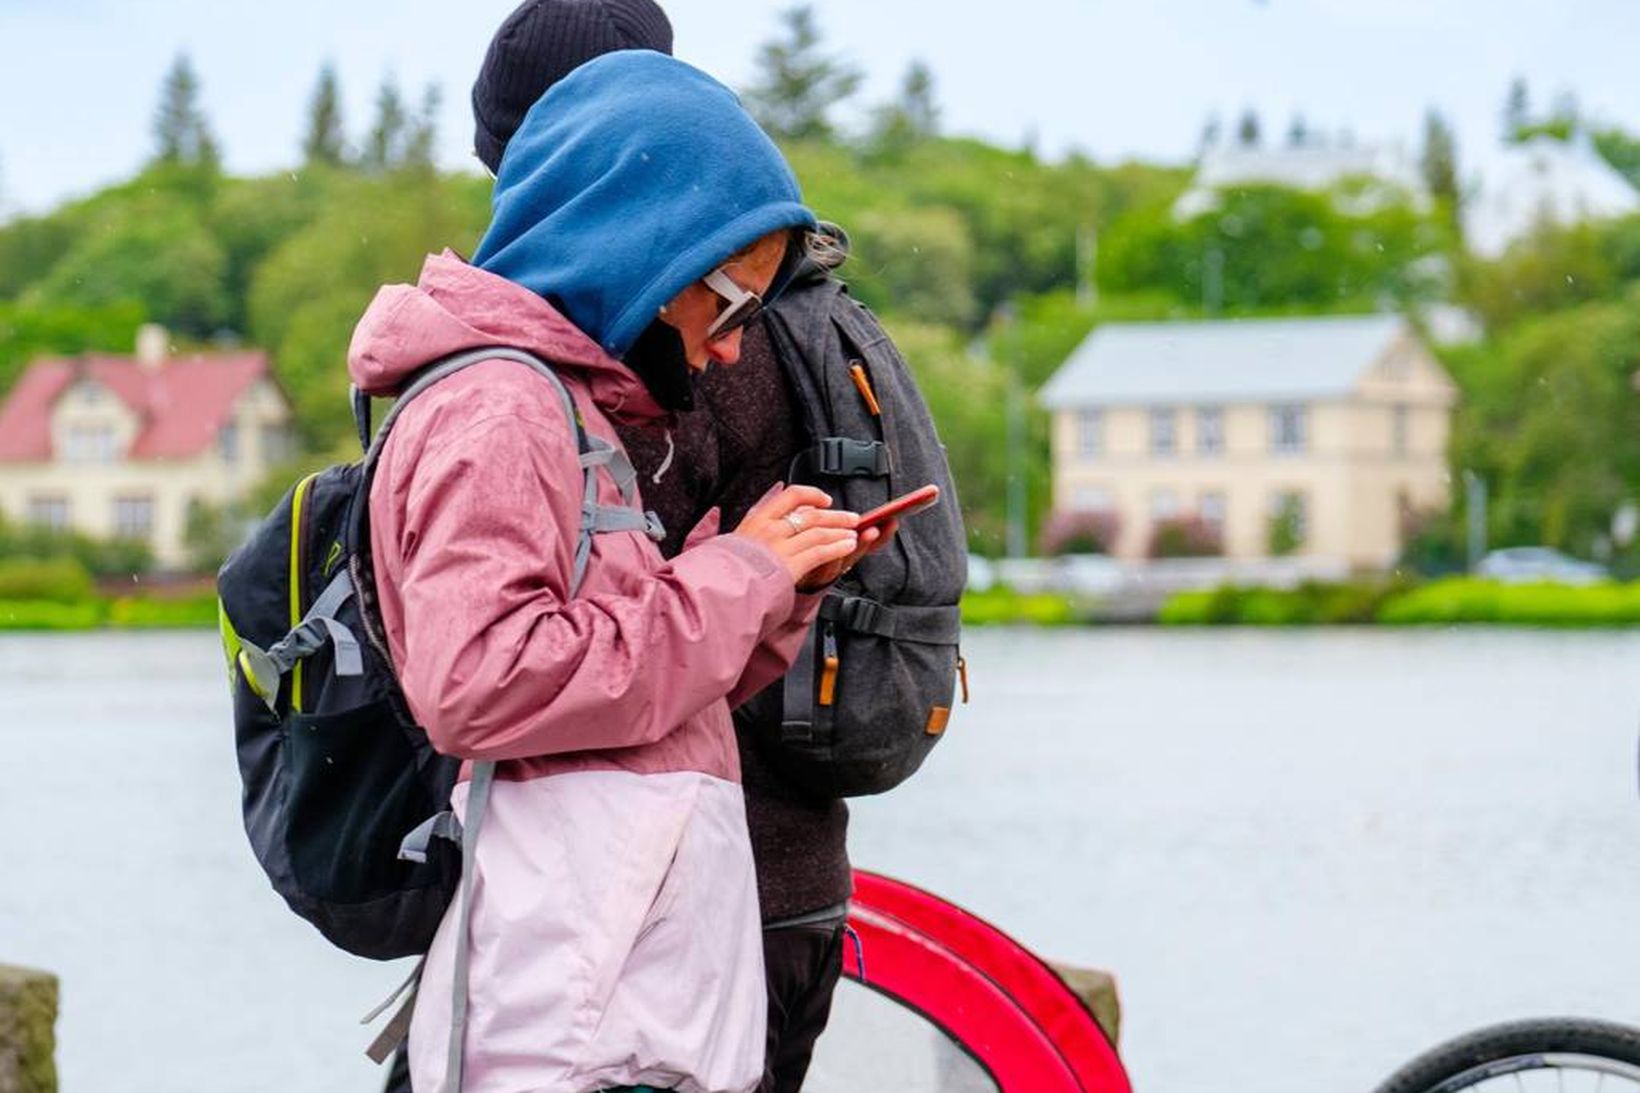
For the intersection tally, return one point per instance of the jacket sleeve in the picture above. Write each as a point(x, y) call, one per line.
point(499, 662)
point(774, 655)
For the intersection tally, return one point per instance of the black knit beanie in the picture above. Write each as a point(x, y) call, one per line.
point(541, 43)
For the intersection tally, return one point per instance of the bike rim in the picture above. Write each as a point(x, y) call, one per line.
point(1574, 1073)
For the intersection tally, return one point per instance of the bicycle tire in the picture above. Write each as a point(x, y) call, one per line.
point(1518, 1046)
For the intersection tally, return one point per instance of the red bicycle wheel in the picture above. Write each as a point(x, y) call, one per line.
point(988, 993)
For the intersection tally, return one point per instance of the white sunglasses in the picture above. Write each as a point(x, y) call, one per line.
point(740, 308)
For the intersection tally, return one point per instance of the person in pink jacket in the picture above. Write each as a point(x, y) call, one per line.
point(640, 217)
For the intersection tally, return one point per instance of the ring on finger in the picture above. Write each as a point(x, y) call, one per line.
point(795, 521)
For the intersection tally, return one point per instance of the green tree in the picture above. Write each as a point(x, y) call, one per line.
point(916, 262)
point(422, 135)
point(1271, 249)
point(797, 84)
point(912, 117)
point(1438, 161)
point(182, 135)
point(28, 247)
point(30, 332)
point(308, 294)
point(1556, 266)
point(384, 147)
point(1551, 420)
point(1247, 130)
point(1517, 109)
point(1622, 151)
point(326, 139)
point(154, 251)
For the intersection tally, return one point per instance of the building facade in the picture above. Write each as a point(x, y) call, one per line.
point(1323, 438)
point(127, 447)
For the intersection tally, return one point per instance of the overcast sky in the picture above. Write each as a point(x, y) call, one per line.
point(79, 78)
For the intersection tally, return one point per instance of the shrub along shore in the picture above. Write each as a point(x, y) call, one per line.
point(1447, 602)
point(48, 596)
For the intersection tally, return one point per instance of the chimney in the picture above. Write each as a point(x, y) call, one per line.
point(153, 346)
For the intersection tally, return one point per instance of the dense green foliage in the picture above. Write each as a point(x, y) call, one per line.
point(115, 558)
point(1307, 605)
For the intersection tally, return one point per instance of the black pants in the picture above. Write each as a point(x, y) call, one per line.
point(802, 965)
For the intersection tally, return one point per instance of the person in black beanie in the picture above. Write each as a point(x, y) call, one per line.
point(539, 44)
point(723, 454)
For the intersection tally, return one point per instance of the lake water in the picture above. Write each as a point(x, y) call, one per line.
point(1306, 856)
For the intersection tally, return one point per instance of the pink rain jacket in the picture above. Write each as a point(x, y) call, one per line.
point(615, 931)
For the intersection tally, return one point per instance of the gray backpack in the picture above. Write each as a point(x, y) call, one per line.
point(872, 691)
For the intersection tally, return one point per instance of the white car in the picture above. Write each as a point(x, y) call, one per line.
point(1523, 565)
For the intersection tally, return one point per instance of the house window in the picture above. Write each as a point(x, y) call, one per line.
point(1090, 434)
point(1399, 429)
point(90, 444)
point(1164, 505)
point(227, 442)
point(1211, 508)
point(276, 444)
point(134, 518)
point(1288, 429)
point(48, 512)
point(1091, 499)
point(1164, 437)
point(1210, 430)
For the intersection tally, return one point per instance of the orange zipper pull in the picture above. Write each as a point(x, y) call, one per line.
point(962, 674)
point(828, 675)
point(857, 372)
point(828, 682)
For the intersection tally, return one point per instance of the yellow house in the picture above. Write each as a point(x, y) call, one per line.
point(124, 447)
point(1320, 435)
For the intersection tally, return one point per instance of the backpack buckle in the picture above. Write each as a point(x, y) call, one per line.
point(845, 457)
point(863, 616)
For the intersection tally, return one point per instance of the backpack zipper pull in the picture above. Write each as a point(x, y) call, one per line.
point(962, 674)
point(857, 372)
point(828, 676)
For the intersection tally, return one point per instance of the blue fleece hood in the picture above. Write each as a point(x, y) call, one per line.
point(632, 177)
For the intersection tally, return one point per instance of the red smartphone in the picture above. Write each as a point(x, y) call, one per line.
point(925, 497)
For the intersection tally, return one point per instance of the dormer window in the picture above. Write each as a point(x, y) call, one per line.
point(90, 444)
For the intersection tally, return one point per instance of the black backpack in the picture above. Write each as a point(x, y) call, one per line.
point(872, 691)
point(345, 800)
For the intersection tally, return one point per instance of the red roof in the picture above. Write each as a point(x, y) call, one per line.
point(181, 404)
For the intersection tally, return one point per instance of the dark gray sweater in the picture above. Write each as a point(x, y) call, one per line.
point(738, 442)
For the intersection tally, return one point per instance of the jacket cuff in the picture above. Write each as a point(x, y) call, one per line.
point(766, 571)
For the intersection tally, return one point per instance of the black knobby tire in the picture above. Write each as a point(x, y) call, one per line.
point(1490, 1052)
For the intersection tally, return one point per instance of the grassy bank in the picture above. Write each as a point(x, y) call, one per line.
point(113, 613)
point(1003, 606)
point(1450, 602)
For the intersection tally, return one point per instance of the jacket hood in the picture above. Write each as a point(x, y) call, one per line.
point(454, 307)
point(629, 179)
